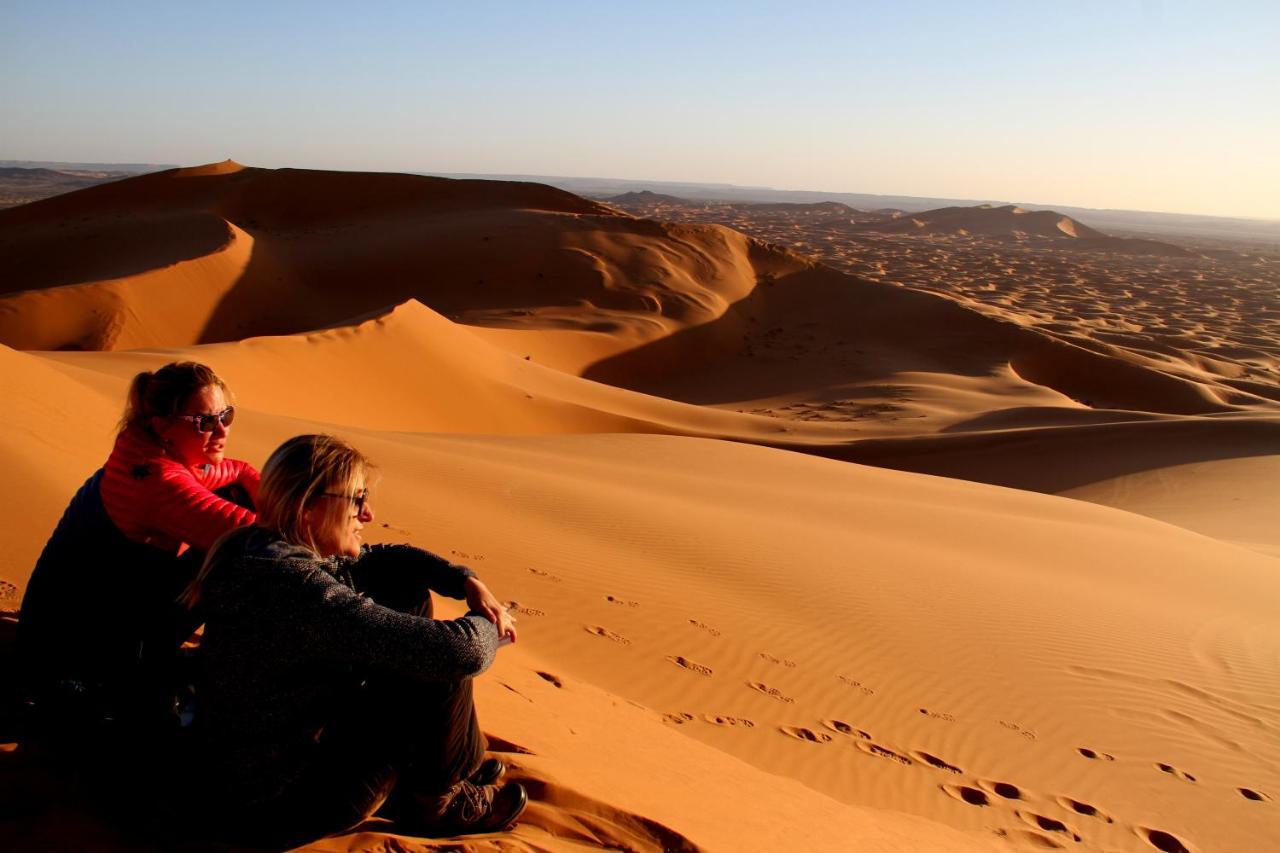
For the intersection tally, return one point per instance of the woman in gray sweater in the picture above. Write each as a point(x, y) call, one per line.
point(330, 692)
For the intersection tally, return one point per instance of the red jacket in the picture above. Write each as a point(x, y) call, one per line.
point(157, 500)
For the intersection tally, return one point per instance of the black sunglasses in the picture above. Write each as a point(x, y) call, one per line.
point(360, 498)
point(206, 423)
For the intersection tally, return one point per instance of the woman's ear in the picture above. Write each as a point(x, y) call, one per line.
point(310, 516)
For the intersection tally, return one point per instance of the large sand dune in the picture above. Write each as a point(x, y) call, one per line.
point(734, 634)
point(1017, 223)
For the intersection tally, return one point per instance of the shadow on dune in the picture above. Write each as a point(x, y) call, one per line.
point(810, 329)
point(66, 251)
point(493, 264)
point(818, 328)
point(1053, 459)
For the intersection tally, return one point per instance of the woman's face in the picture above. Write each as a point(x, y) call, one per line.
point(182, 435)
point(337, 517)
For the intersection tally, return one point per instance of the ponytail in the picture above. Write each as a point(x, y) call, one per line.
point(135, 403)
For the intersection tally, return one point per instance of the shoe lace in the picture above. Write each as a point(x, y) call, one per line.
point(470, 803)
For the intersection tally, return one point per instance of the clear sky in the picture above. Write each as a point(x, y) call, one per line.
point(1129, 103)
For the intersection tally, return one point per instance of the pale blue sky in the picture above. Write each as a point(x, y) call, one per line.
point(1149, 105)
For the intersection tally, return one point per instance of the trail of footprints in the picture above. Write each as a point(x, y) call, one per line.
point(983, 793)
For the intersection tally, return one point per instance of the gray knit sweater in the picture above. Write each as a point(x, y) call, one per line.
point(287, 635)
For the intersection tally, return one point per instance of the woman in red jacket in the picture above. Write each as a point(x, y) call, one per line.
point(100, 629)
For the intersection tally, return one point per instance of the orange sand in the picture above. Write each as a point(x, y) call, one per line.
point(647, 436)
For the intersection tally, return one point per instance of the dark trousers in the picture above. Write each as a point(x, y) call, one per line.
point(391, 739)
point(100, 630)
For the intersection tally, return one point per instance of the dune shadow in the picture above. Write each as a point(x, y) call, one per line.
point(806, 330)
point(1054, 459)
point(70, 250)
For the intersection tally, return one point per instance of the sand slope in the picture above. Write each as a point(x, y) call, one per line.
point(726, 644)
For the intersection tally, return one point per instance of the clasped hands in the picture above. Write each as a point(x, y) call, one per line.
point(484, 602)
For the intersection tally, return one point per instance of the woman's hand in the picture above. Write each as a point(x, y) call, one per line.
point(481, 600)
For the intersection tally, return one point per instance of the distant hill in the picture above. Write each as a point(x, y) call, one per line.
point(21, 185)
point(644, 197)
point(987, 220)
point(833, 207)
point(1009, 222)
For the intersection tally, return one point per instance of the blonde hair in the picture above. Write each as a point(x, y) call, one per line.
point(164, 392)
point(296, 474)
point(300, 471)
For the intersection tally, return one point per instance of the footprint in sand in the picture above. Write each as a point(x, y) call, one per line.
point(1173, 771)
point(463, 555)
point(1014, 727)
point(856, 684)
point(7, 591)
point(770, 691)
point(546, 676)
point(517, 607)
point(1162, 840)
point(615, 600)
point(684, 663)
point(845, 729)
point(883, 752)
point(967, 794)
point(394, 529)
point(705, 627)
point(934, 761)
point(547, 575)
point(1048, 824)
point(801, 733)
point(723, 720)
point(1256, 796)
point(1095, 754)
point(607, 634)
point(790, 664)
point(679, 719)
point(1080, 807)
point(938, 715)
point(1005, 790)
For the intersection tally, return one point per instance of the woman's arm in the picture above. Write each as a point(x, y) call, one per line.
point(435, 573)
point(232, 472)
point(186, 511)
point(404, 571)
point(333, 623)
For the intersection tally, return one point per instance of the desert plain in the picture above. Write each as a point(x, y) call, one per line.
point(827, 529)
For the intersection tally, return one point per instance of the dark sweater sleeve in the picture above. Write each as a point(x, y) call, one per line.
point(436, 573)
point(338, 625)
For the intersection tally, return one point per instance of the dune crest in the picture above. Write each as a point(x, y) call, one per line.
point(225, 167)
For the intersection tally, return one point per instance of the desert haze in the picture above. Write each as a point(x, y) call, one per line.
point(828, 529)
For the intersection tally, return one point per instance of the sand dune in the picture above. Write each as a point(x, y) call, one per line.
point(1016, 223)
point(323, 248)
point(737, 634)
point(989, 220)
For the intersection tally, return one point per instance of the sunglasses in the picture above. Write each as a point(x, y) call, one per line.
point(208, 423)
point(360, 499)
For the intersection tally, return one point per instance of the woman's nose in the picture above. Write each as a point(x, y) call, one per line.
point(366, 514)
